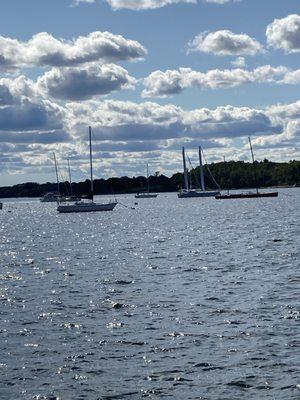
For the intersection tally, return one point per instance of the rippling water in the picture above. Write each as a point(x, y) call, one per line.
point(175, 299)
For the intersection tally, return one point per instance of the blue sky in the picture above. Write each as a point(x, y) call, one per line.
point(172, 86)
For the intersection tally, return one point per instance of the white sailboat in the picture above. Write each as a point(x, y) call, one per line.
point(87, 206)
point(50, 197)
point(146, 195)
point(188, 191)
point(53, 197)
point(72, 196)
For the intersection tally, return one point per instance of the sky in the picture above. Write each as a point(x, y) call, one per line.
point(149, 76)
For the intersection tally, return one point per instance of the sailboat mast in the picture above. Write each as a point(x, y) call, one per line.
point(202, 184)
point(254, 169)
point(70, 178)
point(226, 169)
point(91, 162)
point(186, 182)
point(56, 172)
point(148, 178)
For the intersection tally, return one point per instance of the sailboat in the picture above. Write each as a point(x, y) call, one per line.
point(53, 197)
point(146, 195)
point(247, 195)
point(188, 191)
point(71, 197)
point(56, 197)
point(87, 206)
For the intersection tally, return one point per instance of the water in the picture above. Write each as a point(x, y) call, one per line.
point(175, 299)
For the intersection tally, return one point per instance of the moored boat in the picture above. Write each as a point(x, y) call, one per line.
point(189, 192)
point(146, 195)
point(87, 206)
point(247, 195)
point(51, 197)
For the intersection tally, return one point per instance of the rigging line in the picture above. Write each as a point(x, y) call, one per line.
point(194, 171)
point(63, 181)
point(110, 187)
point(212, 177)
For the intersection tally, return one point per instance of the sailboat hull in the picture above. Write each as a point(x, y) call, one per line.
point(246, 195)
point(146, 195)
point(86, 207)
point(184, 194)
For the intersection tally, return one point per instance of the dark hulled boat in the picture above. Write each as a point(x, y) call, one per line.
point(247, 195)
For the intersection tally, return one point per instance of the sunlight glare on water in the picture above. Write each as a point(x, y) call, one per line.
point(175, 299)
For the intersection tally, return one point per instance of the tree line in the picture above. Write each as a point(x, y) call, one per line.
point(228, 175)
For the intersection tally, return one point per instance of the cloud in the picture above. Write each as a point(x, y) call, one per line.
point(45, 50)
point(171, 82)
point(127, 121)
point(218, 1)
point(288, 116)
point(285, 34)
point(144, 4)
point(26, 116)
point(128, 134)
point(83, 83)
point(225, 43)
point(239, 62)
point(292, 77)
point(78, 2)
point(34, 136)
point(290, 137)
point(281, 113)
point(6, 97)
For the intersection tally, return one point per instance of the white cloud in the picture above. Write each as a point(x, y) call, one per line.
point(239, 62)
point(290, 137)
point(171, 82)
point(219, 1)
point(78, 2)
point(45, 50)
point(292, 77)
point(147, 4)
point(288, 116)
point(285, 34)
point(127, 121)
point(280, 113)
point(144, 4)
point(126, 134)
point(225, 43)
point(84, 82)
point(26, 116)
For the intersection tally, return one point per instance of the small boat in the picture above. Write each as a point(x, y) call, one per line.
point(83, 206)
point(51, 197)
point(56, 197)
point(189, 192)
point(146, 195)
point(1, 206)
point(87, 206)
point(72, 197)
point(247, 195)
